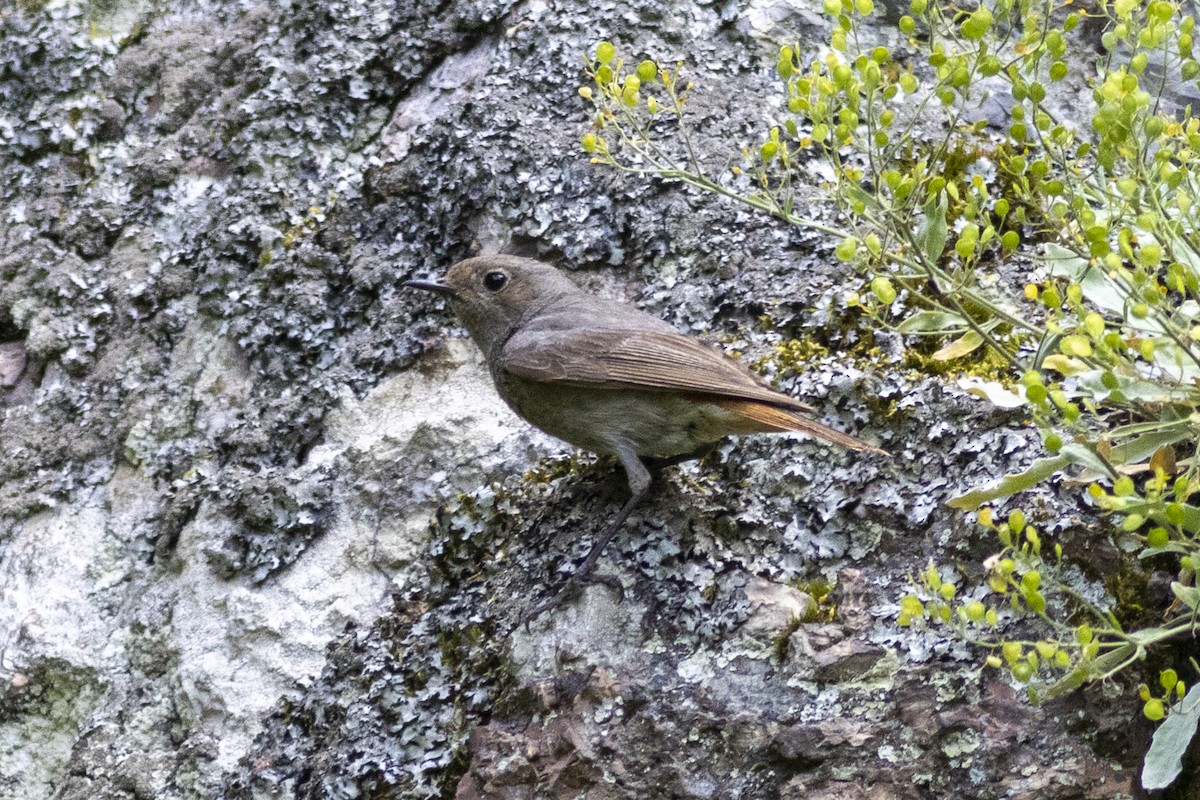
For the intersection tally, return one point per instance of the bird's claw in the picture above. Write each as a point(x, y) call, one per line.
point(571, 588)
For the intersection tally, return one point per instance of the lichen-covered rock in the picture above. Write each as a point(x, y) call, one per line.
point(265, 530)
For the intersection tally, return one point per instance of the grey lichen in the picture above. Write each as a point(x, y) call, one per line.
point(208, 209)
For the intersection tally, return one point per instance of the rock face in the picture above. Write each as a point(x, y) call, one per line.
point(265, 530)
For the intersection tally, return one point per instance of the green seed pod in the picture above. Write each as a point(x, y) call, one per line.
point(1150, 254)
point(990, 65)
point(883, 290)
point(846, 249)
point(1180, 489)
point(977, 25)
point(911, 604)
point(605, 52)
point(589, 142)
point(1132, 522)
point(1154, 709)
point(1035, 600)
point(647, 71)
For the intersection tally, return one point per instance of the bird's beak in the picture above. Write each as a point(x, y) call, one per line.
point(432, 286)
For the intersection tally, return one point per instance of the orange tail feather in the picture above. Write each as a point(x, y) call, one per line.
point(764, 418)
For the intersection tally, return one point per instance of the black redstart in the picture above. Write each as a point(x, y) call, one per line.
point(608, 377)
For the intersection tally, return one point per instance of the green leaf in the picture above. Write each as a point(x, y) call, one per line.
point(1085, 457)
point(1097, 287)
point(1164, 759)
point(933, 231)
point(1089, 671)
point(1067, 683)
point(1146, 445)
point(929, 322)
point(1172, 547)
point(1129, 452)
point(1191, 518)
point(967, 343)
point(1188, 595)
point(1152, 392)
point(1063, 263)
point(1010, 484)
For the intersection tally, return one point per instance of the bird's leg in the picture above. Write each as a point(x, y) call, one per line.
point(639, 484)
point(654, 464)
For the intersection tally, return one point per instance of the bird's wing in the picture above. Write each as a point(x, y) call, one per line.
point(641, 359)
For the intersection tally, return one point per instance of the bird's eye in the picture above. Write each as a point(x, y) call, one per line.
point(494, 281)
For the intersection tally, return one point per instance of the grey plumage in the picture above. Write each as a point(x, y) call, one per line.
point(608, 377)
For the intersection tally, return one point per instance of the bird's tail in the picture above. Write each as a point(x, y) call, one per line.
point(764, 418)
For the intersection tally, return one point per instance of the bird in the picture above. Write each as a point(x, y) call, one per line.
point(609, 378)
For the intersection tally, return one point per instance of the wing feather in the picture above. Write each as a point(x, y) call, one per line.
point(655, 360)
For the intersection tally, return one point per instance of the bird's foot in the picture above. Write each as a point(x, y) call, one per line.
point(571, 589)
